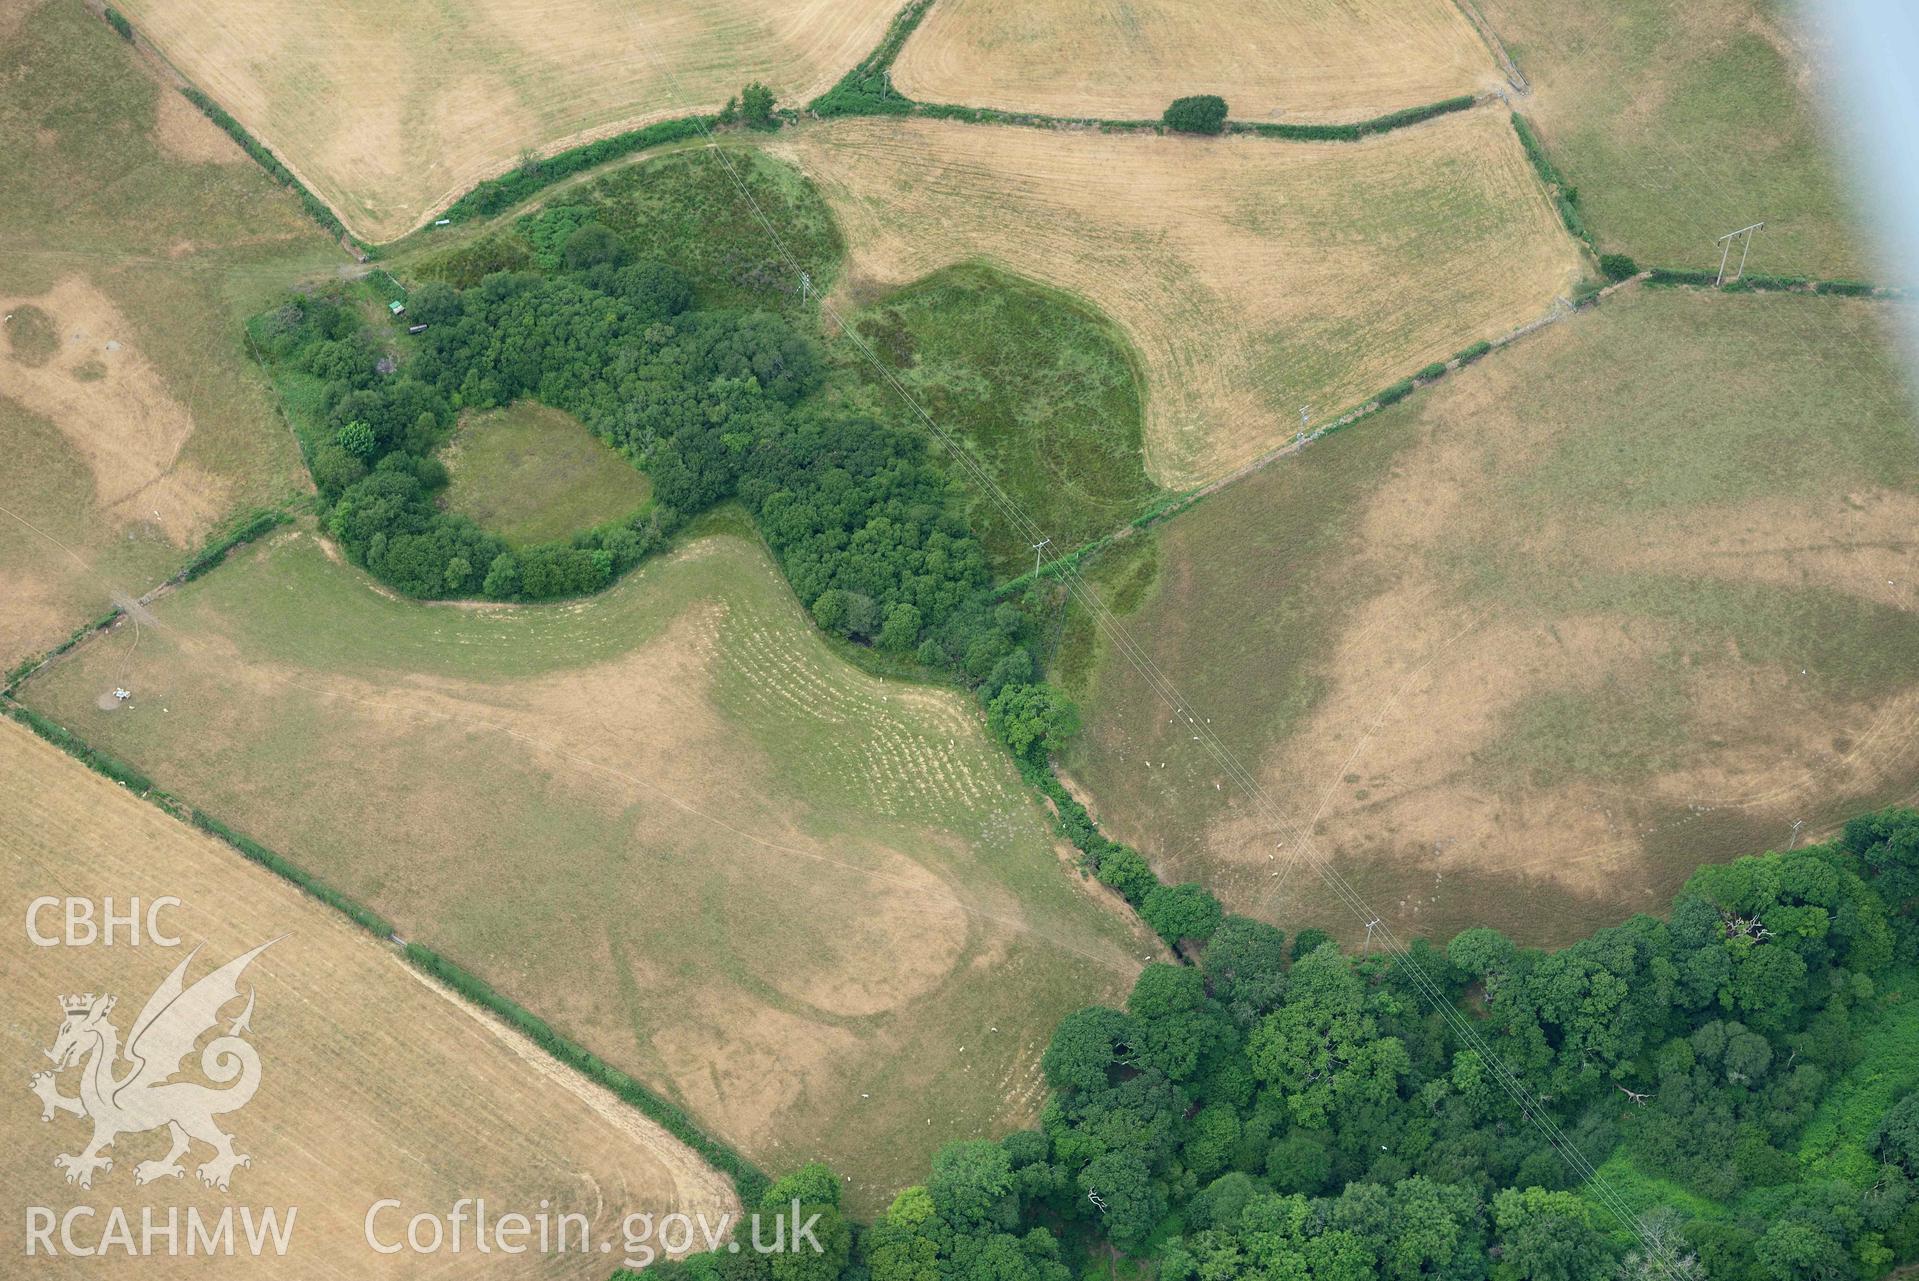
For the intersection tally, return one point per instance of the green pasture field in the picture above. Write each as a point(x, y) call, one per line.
point(1042, 390)
point(1525, 649)
point(533, 474)
point(1681, 120)
point(126, 223)
point(818, 908)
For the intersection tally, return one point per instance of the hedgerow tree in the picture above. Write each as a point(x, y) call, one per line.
point(756, 105)
point(1179, 912)
point(1202, 113)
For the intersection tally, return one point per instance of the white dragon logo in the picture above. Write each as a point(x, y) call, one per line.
point(144, 1097)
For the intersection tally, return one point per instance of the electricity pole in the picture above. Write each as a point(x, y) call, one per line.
point(1725, 253)
point(1039, 550)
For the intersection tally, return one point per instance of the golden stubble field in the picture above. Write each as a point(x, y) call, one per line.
point(374, 1083)
point(390, 112)
point(1323, 60)
point(1254, 277)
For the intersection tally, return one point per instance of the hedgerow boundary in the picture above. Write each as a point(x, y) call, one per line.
point(867, 90)
point(244, 529)
point(317, 209)
point(747, 1179)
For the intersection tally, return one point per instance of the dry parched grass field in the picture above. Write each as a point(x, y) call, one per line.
point(374, 1083)
point(1253, 277)
point(1321, 60)
point(1682, 120)
point(390, 112)
point(817, 908)
point(1636, 594)
point(136, 238)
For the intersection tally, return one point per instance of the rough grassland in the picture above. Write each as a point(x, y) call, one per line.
point(533, 474)
point(1631, 595)
point(817, 908)
point(1271, 60)
point(388, 113)
point(374, 1083)
point(1681, 120)
point(1041, 389)
point(133, 418)
point(1253, 277)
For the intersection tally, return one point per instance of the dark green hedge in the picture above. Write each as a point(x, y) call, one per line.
point(260, 522)
point(1435, 370)
point(94, 759)
point(509, 189)
point(27, 665)
point(1564, 198)
point(1395, 393)
point(1358, 129)
point(118, 22)
point(1846, 288)
point(1467, 355)
point(747, 1178)
point(286, 870)
point(315, 207)
point(867, 90)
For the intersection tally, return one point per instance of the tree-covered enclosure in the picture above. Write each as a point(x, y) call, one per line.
point(1267, 1107)
point(686, 349)
point(1288, 1111)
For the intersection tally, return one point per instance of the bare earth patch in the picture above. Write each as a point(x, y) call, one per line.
point(114, 409)
point(1255, 277)
point(374, 1082)
point(1321, 60)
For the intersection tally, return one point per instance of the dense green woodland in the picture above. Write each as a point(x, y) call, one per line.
point(1265, 1108)
point(1286, 1111)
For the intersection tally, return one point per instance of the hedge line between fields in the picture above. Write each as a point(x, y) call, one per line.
point(1360, 128)
point(92, 757)
point(1564, 196)
point(846, 100)
point(262, 521)
point(27, 666)
point(1755, 282)
point(867, 90)
point(315, 207)
point(509, 189)
point(748, 1180)
point(287, 870)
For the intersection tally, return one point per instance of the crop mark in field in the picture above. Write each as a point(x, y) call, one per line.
point(113, 408)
